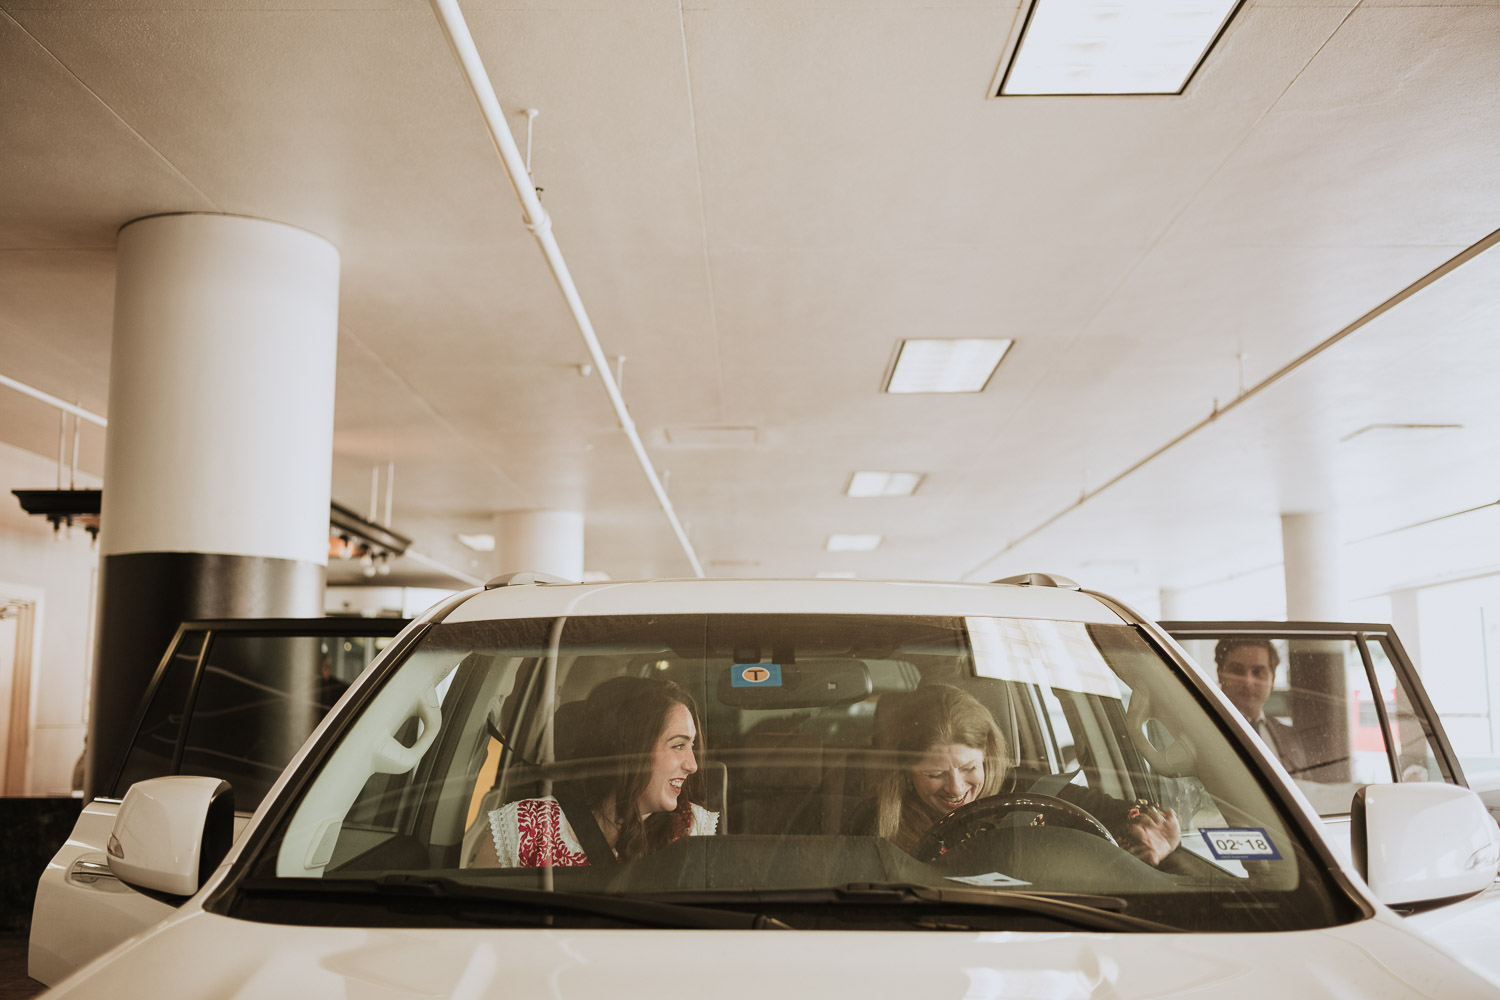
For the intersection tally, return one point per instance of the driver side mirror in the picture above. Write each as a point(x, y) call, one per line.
point(171, 832)
point(1423, 842)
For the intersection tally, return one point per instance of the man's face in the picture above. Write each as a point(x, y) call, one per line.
point(1246, 676)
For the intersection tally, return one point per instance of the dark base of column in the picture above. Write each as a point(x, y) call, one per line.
point(144, 596)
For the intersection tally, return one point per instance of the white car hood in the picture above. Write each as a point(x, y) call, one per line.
point(200, 955)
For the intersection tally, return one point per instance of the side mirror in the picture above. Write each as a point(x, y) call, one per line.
point(1423, 843)
point(171, 832)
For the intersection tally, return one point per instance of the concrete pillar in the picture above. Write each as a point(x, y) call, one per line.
point(1173, 604)
point(1311, 555)
point(220, 443)
point(542, 541)
point(1406, 620)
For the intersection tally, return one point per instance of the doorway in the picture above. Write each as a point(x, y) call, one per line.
point(17, 624)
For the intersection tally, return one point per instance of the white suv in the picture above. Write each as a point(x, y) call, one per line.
point(535, 772)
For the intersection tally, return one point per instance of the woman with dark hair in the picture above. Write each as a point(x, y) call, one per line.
point(951, 754)
point(651, 727)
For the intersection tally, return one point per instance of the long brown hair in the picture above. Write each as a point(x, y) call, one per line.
point(625, 717)
point(934, 715)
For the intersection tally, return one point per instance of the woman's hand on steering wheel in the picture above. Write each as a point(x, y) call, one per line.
point(1153, 833)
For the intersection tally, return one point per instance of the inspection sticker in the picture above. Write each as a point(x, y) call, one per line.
point(1248, 843)
point(755, 675)
point(993, 880)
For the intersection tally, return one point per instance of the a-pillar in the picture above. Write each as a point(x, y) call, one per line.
point(1312, 559)
point(540, 541)
point(219, 448)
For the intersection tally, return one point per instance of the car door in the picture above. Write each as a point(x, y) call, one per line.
point(1346, 709)
point(1362, 716)
point(232, 699)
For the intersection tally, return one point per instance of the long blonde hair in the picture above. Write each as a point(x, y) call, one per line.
point(934, 715)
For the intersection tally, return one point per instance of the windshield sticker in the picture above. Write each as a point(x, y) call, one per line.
point(993, 880)
point(1044, 653)
point(755, 675)
point(1240, 844)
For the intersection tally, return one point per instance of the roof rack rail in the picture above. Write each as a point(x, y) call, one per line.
point(516, 579)
point(1040, 580)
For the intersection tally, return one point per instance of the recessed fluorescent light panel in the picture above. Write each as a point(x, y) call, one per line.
point(946, 365)
point(1113, 46)
point(479, 543)
point(853, 543)
point(883, 484)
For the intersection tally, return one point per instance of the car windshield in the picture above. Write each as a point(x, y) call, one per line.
point(824, 769)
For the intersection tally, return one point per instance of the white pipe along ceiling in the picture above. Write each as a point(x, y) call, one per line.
point(461, 42)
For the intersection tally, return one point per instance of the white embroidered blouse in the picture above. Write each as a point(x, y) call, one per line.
point(534, 833)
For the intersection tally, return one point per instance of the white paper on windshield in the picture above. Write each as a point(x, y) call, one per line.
point(994, 880)
point(1051, 654)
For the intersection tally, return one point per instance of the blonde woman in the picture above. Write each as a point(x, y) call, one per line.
point(952, 753)
point(955, 754)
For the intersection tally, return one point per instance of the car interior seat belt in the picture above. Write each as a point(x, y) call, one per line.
point(581, 818)
point(1051, 784)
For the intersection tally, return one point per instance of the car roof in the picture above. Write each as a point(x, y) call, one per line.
point(873, 597)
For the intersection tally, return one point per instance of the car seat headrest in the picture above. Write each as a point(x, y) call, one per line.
point(569, 730)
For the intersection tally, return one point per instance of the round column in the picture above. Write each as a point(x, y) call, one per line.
point(1312, 556)
point(541, 541)
point(1311, 559)
point(220, 443)
point(1173, 604)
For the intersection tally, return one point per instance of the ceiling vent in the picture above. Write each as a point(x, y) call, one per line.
point(711, 437)
point(1389, 432)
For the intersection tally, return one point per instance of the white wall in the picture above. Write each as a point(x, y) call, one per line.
point(1458, 637)
point(60, 573)
point(397, 602)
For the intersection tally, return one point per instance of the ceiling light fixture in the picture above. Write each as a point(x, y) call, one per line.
point(479, 543)
point(853, 543)
point(883, 484)
point(1074, 47)
point(351, 536)
point(932, 365)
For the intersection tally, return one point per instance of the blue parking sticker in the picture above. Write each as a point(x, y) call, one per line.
point(1249, 843)
point(755, 675)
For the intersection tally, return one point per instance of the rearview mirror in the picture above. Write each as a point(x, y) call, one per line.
point(171, 832)
point(1423, 842)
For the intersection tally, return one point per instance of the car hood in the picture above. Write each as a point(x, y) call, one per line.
point(203, 955)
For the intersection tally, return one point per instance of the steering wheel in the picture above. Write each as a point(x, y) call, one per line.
point(983, 815)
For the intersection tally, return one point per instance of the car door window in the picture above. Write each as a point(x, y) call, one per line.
point(154, 748)
point(1411, 734)
point(1335, 723)
point(259, 698)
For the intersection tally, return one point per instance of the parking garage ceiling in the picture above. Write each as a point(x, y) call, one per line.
point(759, 201)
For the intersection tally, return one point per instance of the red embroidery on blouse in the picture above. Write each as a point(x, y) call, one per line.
point(541, 845)
point(682, 821)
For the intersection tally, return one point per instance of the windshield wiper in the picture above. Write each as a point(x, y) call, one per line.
point(1098, 913)
point(647, 913)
